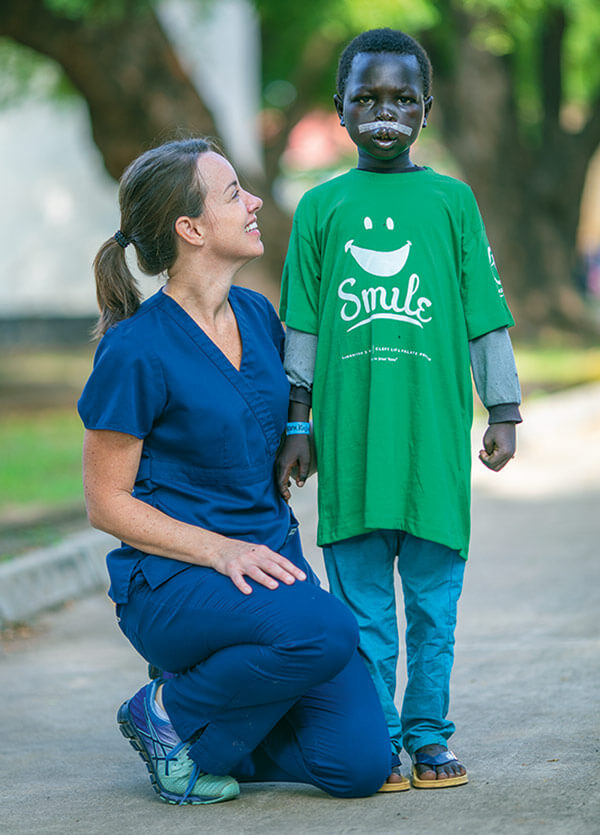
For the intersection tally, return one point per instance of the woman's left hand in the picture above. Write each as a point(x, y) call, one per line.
point(237, 559)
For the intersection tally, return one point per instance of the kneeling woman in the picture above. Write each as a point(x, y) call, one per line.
point(184, 411)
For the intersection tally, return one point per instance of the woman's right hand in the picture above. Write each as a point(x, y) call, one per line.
point(237, 559)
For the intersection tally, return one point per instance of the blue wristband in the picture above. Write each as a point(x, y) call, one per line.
point(298, 427)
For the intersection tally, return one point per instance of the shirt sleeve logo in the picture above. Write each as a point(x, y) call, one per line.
point(495, 274)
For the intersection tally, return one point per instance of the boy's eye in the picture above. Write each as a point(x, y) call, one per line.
point(363, 99)
point(406, 100)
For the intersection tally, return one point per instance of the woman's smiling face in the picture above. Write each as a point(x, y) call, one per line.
point(383, 107)
point(229, 217)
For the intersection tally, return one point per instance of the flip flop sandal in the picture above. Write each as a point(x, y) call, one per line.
point(398, 786)
point(443, 758)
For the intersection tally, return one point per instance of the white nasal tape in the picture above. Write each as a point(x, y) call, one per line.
point(393, 127)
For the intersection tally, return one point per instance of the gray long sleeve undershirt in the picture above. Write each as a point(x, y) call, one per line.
point(492, 363)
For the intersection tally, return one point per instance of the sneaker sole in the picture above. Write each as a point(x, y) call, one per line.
point(129, 731)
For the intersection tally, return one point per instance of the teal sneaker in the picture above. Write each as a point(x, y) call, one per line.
point(175, 777)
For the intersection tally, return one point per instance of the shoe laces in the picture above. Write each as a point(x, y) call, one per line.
point(172, 756)
point(195, 773)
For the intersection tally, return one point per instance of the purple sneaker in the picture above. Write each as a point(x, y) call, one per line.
point(174, 775)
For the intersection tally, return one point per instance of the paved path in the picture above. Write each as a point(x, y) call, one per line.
point(525, 694)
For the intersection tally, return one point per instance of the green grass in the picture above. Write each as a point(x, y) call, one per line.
point(543, 370)
point(41, 459)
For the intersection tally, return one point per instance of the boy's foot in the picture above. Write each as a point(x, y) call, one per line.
point(174, 775)
point(396, 782)
point(435, 767)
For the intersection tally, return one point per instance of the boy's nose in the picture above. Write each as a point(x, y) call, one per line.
point(386, 111)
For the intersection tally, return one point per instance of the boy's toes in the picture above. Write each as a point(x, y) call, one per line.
point(396, 782)
point(425, 773)
point(434, 766)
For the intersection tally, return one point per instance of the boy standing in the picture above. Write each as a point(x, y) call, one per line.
point(389, 292)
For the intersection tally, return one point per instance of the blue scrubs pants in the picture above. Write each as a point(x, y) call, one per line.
point(361, 574)
point(268, 686)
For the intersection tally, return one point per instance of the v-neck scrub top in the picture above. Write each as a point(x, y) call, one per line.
point(210, 431)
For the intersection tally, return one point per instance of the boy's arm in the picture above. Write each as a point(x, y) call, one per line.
point(497, 384)
point(299, 364)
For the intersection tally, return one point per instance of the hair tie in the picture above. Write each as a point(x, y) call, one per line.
point(121, 239)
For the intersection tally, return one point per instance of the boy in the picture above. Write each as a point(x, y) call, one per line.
point(389, 289)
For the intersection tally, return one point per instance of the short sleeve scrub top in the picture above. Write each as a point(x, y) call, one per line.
point(210, 432)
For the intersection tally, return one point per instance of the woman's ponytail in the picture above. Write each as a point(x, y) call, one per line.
point(157, 188)
point(117, 290)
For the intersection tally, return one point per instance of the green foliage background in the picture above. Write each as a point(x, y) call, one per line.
point(505, 27)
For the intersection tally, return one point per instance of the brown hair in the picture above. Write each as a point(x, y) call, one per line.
point(157, 188)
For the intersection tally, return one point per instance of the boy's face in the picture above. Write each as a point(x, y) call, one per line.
point(383, 108)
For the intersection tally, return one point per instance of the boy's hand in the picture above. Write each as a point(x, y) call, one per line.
point(293, 459)
point(499, 444)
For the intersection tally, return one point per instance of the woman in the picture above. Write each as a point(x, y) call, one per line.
point(184, 411)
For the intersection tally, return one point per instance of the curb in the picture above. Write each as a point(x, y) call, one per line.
point(48, 577)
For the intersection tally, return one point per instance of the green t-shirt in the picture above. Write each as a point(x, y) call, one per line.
point(395, 274)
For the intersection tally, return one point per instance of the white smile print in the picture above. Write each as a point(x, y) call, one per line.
point(373, 261)
point(361, 305)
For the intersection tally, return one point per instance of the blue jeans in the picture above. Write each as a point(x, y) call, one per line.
point(361, 574)
point(268, 686)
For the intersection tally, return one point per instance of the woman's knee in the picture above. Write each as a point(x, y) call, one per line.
point(325, 633)
point(361, 775)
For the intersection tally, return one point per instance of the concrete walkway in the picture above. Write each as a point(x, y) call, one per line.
point(525, 693)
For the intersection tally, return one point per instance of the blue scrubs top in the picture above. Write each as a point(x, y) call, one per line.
point(210, 431)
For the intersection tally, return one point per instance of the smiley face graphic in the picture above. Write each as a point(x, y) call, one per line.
point(381, 263)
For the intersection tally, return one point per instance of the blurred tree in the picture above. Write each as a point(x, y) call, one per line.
point(517, 87)
point(117, 56)
point(115, 53)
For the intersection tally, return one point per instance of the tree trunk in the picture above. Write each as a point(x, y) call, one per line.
point(124, 67)
point(136, 91)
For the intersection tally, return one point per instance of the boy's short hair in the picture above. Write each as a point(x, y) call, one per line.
point(384, 40)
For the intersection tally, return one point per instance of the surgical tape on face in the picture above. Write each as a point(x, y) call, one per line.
point(391, 127)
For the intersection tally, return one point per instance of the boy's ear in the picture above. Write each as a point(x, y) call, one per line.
point(428, 103)
point(190, 230)
point(339, 106)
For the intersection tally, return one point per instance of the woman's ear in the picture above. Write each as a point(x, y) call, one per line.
point(190, 230)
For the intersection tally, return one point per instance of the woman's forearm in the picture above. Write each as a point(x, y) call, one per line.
point(110, 463)
point(144, 527)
